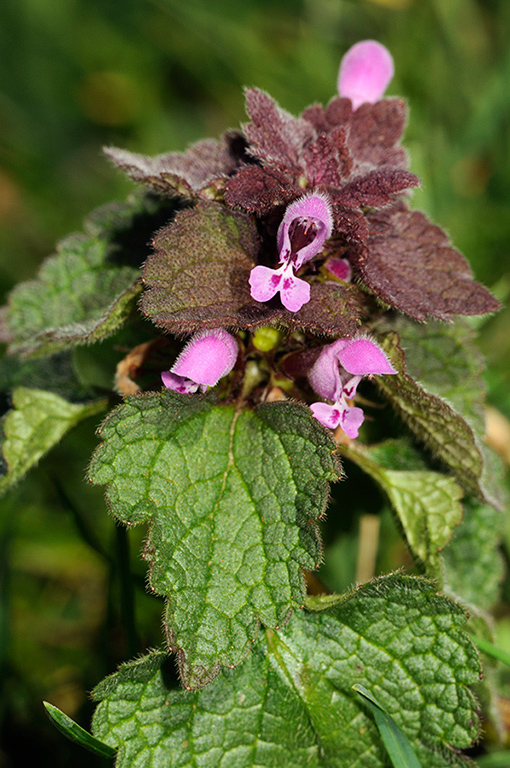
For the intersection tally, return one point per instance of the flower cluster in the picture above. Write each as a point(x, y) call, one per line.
point(335, 376)
point(298, 223)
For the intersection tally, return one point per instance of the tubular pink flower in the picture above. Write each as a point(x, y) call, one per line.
point(335, 376)
point(365, 72)
point(206, 358)
point(304, 229)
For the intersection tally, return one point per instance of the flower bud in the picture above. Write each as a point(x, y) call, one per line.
point(365, 72)
point(206, 358)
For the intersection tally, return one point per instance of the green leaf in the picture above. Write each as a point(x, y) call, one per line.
point(439, 394)
point(291, 702)
point(231, 497)
point(38, 421)
point(76, 299)
point(76, 733)
point(427, 503)
point(397, 744)
point(473, 565)
point(88, 289)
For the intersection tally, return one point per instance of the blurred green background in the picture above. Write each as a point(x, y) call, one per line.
point(153, 76)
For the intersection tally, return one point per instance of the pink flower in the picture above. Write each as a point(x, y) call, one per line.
point(335, 376)
point(365, 72)
point(206, 358)
point(305, 227)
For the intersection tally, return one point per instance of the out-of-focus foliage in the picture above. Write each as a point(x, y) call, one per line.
point(154, 76)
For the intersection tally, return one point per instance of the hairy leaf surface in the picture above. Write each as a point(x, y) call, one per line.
point(291, 702)
point(409, 264)
point(231, 497)
point(88, 289)
point(198, 277)
point(185, 174)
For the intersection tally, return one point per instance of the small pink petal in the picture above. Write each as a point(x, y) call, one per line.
point(294, 292)
point(339, 268)
point(351, 421)
point(365, 72)
point(178, 383)
point(264, 282)
point(328, 415)
point(207, 357)
point(363, 357)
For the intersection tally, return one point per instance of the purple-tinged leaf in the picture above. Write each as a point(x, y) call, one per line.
point(374, 130)
point(333, 309)
point(375, 133)
point(377, 188)
point(327, 160)
point(259, 190)
point(198, 276)
point(410, 264)
point(275, 135)
point(185, 173)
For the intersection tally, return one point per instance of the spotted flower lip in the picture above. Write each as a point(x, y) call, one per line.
point(335, 376)
point(305, 227)
point(365, 72)
point(206, 358)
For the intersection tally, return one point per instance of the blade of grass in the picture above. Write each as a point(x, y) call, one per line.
point(491, 650)
point(76, 733)
point(396, 742)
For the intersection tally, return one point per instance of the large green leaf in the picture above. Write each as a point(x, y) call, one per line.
point(37, 422)
point(231, 497)
point(439, 393)
point(291, 702)
point(427, 503)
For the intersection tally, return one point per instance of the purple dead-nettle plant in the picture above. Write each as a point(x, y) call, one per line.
point(295, 235)
point(205, 359)
point(305, 227)
point(335, 376)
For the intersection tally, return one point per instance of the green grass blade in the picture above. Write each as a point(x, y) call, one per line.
point(397, 744)
point(491, 650)
point(76, 733)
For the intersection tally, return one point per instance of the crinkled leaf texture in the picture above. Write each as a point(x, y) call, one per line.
point(426, 503)
point(88, 289)
point(409, 264)
point(198, 277)
point(439, 393)
point(231, 497)
point(291, 703)
point(37, 422)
